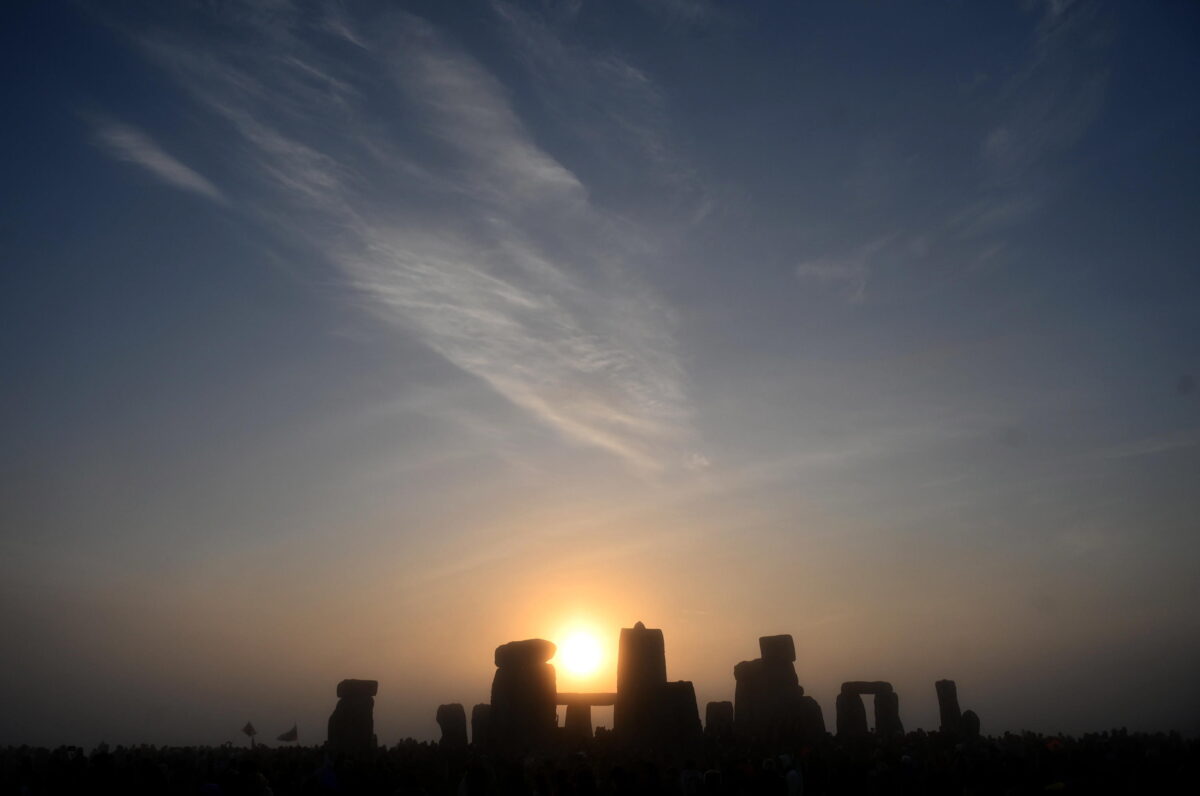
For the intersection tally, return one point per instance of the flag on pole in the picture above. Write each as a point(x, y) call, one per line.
point(249, 730)
point(291, 735)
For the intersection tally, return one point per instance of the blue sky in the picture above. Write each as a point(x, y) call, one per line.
point(356, 339)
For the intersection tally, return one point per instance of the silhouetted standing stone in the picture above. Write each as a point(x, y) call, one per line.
point(812, 720)
point(524, 696)
point(749, 696)
point(851, 715)
point(951, 715)
point(769, 702)
point(679, 721)
point(649, 712)
point(481, 716)
point(579, 721)
point(718, 719)
point(352, 723)
point(641, 675)
point(452, 719)
point(887, 714)
point(970, 724)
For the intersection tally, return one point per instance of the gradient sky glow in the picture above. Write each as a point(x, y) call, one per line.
point(353, 340)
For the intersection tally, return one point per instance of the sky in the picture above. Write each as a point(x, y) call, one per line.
point(354, 340)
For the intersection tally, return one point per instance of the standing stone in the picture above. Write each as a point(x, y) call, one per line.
point(579, 722)
point(524, 697)
point(750, 697)
point(812, 720)
point(481, 716)
point(851, 715)
point(769, 704)
point(352, 723)
point(679, 719)
point(970, 724)
point(641, 675)
point(718, 719)
point(887, 714)
point(452, 719)
point(951, 715)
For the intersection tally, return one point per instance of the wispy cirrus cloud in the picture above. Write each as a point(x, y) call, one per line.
point(436, 203)
point(127, 143)
point(849, 272)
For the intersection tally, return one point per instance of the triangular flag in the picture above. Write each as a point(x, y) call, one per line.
point(290, 735)
point(249, 730)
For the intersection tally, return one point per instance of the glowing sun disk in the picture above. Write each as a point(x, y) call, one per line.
point(580, 654)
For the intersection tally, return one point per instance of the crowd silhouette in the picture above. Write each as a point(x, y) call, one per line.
point(1115, 762)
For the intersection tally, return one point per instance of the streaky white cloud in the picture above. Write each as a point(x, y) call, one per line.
point(127, 143)
point(1151, 446)
point(609, 105)
point(485, 247)
point(849, 271)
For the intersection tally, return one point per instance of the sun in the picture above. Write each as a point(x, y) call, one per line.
point(580, 654)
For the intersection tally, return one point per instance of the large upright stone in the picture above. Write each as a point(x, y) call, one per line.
point(452, 719)
point(481, 716)
point(749, 697)
point(887, 714)
point(679, 720)
point(579, 722)
point(769, 704)
point(812, 720)
point(523, 715)
point(641, 675)
point(352, 723)
point(851, 715)
point(970, 724)
point(950, 714)
point(718, 719)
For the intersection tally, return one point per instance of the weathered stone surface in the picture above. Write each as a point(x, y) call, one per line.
point(481, 716)
point(529, 652)
point(351, 728)
point(777, 648)
point(970, 724)
point(950, 714)
point(887, 714)
point(452, 719)
point(523, 712)
point(851, 715)
point(641, 675)
point(718, 719)
point(357, 688)
point(866, 687)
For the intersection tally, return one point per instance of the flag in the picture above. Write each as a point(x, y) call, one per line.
point(249, 730)
point(291, 735)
